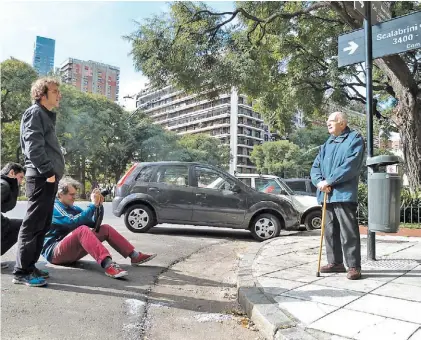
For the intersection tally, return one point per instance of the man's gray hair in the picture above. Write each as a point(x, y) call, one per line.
point(341, 117)
point(65, 182)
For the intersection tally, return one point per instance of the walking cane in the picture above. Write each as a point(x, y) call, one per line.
point(322, 233)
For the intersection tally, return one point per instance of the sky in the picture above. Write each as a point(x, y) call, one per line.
point(87, 30)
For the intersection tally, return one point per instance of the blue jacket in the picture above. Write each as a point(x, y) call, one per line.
point(339, 162)
point(65, 220)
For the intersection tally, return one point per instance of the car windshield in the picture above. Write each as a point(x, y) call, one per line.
point(272, 186)
point(286, 187)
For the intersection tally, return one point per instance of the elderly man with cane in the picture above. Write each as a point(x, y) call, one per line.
point(336, 172)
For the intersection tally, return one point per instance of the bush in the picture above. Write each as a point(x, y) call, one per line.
point(410, 205)
point(362, 204)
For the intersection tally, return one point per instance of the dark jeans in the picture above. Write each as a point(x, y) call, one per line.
point(9, 233)
point(36, 223)
point(342, 234)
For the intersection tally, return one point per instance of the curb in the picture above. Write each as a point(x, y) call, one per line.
point(269, 319)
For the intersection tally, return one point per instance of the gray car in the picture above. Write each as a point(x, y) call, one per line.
point(198, 194)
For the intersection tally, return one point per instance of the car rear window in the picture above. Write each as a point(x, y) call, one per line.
point(246, 181)
point(145, 174)
point(313, 188)
point(297, 185)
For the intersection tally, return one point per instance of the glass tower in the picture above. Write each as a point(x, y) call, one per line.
point(43, 61)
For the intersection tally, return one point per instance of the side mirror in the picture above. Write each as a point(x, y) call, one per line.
point(236, 188)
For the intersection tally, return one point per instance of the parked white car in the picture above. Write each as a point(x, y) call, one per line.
point(310, 210)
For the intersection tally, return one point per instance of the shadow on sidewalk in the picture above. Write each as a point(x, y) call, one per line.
point(87, 277)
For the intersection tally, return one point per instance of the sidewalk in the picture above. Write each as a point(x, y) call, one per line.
point(278, 287)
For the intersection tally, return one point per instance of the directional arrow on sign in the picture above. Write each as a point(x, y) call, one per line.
point(351, 48)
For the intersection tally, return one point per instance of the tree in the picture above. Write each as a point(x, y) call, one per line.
point(283, 55)
point(163, 146)
point(10, 143)
point(310, 137)
point(206, 149)
point(97, 136)
point(16, 80)
point(276, 158)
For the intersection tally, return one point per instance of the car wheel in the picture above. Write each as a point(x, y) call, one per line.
point(265, 226)
point(313, 220)
point(139, 218)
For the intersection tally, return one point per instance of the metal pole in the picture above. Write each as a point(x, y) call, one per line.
point(371, 236)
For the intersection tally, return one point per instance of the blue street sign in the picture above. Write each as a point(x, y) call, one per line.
point(390, 37)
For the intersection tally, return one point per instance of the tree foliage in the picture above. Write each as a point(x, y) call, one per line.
point(276, 158)
point(16, 80)
point(283, 54)
point(206, 149)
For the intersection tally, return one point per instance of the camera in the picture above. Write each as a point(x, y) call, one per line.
point(99, 212)
point(105, 192)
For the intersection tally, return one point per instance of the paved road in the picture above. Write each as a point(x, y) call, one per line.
point(188, 290)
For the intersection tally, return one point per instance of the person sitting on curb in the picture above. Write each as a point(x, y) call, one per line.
point(71, 237)
point(12, 176)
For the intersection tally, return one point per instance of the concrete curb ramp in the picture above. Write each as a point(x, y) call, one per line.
point(271, 321)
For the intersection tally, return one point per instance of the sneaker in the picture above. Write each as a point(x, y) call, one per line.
point(4, 265)
point(142, 258)
point(41, 273)
point(29, 280)
point(333, 268)
point(353, 274)
point(115, 271)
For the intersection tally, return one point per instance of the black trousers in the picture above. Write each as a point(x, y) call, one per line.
point(9, 233)
point(342, 234)
point(36, 223)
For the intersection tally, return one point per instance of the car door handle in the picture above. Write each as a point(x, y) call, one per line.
point(153, 189)
point(201, 195)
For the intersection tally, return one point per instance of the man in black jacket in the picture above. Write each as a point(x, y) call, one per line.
point(44, 163)
point(11, 177)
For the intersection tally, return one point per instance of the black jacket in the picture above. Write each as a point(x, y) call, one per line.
point(40, 146)
point(9, 196)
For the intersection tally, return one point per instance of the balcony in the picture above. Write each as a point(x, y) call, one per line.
point(191, 112)
point(249, 133)
point(194, 107)
point(253, 126)
point(198, 119)
point(182, 104)
point(216, 132)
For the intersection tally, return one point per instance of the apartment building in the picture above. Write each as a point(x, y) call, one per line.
point(91, 76)
point(228, 117)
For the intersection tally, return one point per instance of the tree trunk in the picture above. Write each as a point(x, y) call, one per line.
point(18, 155)
point(410, 130)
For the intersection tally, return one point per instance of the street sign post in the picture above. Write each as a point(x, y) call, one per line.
point(390, 37)
point(380, 10)
point(368, 34)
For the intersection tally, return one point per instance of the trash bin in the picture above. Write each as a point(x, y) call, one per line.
point(384, 195)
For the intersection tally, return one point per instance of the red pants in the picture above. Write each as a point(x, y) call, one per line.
point(83, 240)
